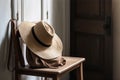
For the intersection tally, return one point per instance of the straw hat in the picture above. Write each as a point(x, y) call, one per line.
point(41, 39)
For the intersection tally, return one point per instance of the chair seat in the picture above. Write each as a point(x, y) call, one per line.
point(71, 63)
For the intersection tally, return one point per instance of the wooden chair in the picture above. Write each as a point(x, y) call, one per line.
point(22, 69)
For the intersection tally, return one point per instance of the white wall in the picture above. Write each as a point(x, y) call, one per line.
point(116, 26)
point(4, 18)
point(59, 17)
point(32, 10)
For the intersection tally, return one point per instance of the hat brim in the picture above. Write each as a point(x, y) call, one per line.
point(51, 52)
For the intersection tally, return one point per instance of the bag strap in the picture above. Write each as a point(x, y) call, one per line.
point(10, 46)
point(14, 44)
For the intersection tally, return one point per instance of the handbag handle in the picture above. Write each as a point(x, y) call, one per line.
point(14, 43)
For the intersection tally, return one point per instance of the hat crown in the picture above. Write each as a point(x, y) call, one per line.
point(44, 32)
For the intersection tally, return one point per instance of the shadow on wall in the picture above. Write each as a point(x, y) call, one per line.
point(5, 15)
point(4, 73)
point(4, 50)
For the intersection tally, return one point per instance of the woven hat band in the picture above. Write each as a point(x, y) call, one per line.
point(38, 40)
point(44, 33)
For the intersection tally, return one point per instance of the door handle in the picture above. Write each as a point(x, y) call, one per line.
point(107, 26)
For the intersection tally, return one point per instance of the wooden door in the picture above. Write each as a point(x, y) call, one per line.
point(91, 37)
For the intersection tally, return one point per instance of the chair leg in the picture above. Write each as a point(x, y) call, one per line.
point(57, 77)
point(45, 78)
point(13, 75)
point(17, 77)
point(79, 72)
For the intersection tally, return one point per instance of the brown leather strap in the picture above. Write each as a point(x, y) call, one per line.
point(10, 68)
point(14, 43)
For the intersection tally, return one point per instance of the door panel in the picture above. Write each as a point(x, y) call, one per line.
point(91, 47)
point(86, 7)
point(89, 8)
point(91, 37)
point(89, 26)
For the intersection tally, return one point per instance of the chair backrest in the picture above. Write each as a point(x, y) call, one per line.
point(19, 60)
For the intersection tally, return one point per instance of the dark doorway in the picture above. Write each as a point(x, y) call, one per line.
point(91, 37)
